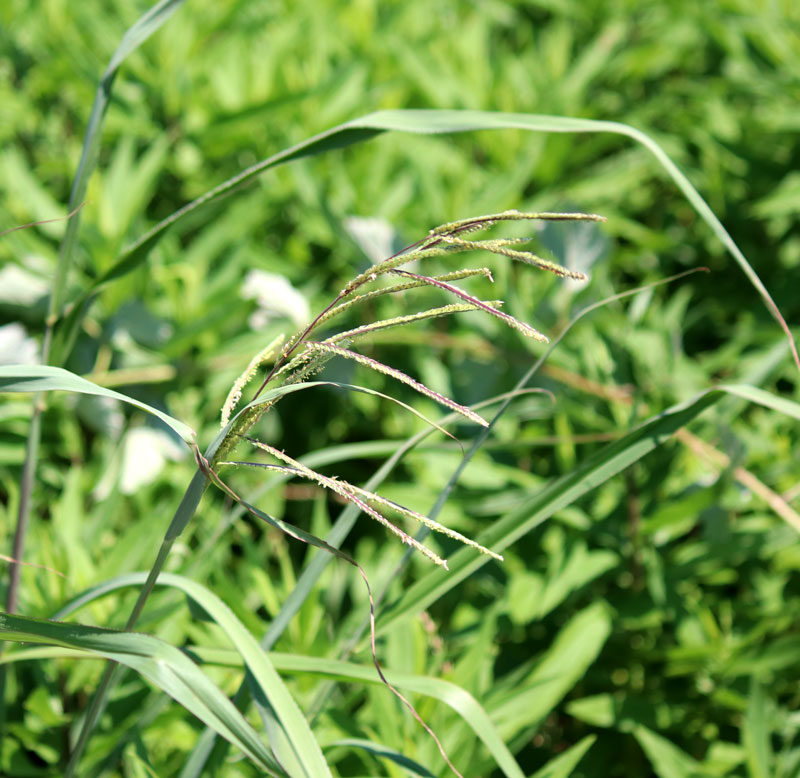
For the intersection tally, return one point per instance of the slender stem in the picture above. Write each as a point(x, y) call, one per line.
point(35, 431)
point(183, 514)
point(23, 510)
point(113, 671)
point(26, 482)
point(21, 532)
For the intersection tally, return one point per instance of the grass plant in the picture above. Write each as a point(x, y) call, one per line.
point(596, 568)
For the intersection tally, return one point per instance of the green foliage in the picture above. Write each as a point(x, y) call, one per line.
point(645, 500)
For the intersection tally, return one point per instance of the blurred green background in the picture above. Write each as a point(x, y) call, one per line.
point(675, 587)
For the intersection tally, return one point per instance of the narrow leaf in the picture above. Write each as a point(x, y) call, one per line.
point(293, 737)
point(453, 121)
point(45, 378)
point(562, 492)
point(563, 765)
point(163, 665)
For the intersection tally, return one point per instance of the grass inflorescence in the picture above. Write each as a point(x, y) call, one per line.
point(303, 355)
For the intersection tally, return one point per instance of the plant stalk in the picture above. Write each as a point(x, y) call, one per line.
point(183, 514)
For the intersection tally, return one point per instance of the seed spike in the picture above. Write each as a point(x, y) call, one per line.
point(399, 375)
point(348, 492)
point(232, 400)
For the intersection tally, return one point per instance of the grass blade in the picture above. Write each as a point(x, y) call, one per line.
point(136, 34)
point(45, 378)
point(667, 759)
point(411, 767)
point(562, 492)
point(563, 765)
point(756, 732)
point(565, 662)
point(163, 665)
point(292, 740)
point(451, 121)
point(452, 695)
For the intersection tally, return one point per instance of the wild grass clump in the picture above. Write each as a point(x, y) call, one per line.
point(643, 606)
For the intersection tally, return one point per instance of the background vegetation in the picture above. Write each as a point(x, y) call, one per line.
point(656, 615)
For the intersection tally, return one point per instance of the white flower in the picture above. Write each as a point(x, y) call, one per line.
point(375, 237)
point(275, 297)
point(139, 460)
point(16, 348)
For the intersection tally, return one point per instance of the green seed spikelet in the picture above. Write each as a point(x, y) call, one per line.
point(267, 354)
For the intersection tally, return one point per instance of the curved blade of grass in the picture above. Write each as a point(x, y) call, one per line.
point(667, 760)
point(41, 652)
point(460, 700)
point(452, 695)
point(571, 652)
point(597, 469)
point(135, 35)
point(452, 121)
point(162, 664)
point(46, 378)
point(292, 739)
point(375, 393)
point(756, 733)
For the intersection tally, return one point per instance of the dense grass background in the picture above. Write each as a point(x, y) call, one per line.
point(659, 612)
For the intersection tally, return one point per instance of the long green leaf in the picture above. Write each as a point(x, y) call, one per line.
point(564, 663)
point(163, 665)
point(458, 699)
point(134, 36)
point(454, 696)
point(449, 121)
point(293, 741)
point(562, 492)
point(756, 733)
point(253, 657)
point(411, 767)
point(45, 378)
